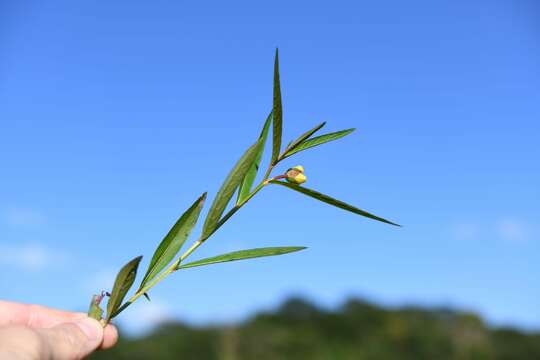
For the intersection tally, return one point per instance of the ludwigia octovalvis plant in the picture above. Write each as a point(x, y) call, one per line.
point(240, 180)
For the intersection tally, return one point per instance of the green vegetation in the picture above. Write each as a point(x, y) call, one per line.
point(358, 330)
point(240, 180)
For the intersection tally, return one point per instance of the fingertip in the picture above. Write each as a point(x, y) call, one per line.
point(91, 328)
point(110, 337)
point(72, 340)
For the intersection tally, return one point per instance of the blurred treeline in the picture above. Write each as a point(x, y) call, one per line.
point(358, 330)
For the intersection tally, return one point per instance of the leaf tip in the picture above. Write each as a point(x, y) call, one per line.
point(392, 223)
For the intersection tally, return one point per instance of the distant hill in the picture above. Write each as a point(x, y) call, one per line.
point(299, 330)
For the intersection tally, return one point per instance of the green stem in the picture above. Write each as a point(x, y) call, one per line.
point(267, 174)
point(173, 267)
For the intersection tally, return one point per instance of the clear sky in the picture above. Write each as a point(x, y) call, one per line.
point(116, 116)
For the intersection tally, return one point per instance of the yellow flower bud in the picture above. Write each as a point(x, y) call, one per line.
point(298, 179)
point(296, 175)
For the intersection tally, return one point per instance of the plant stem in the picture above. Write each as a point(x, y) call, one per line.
point(148, 286)
point(268, 171)
point(173, 267)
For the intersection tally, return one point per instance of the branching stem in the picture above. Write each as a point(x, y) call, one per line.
point(174, 266)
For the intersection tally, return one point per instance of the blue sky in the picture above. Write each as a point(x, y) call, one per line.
point(116, 116)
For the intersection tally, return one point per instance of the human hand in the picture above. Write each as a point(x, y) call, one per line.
point(33, 332)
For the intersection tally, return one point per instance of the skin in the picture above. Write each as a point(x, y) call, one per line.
point(33, 332)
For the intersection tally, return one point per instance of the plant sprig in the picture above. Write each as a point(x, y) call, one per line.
point(240, 180)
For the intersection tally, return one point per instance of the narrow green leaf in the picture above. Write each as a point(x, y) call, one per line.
point(303, 137)
point(327, 199)
point(247, 182)
point(122, 284)
point(95, 311)
point(316, 141)
point(173, 241)
point(278, 113)
point(243, 254)
point(228, 188)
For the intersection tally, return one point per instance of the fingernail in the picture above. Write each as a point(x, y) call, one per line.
point(91, 328)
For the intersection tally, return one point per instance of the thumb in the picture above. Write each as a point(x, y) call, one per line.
point(73, 340)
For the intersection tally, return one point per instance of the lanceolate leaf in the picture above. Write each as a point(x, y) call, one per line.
point(95, 311)
point(247, 182)
point(173, 241)
point(228, 188)
point(243, 254)
point(303, 137)
point(278, 113)
point(327, 199)
point(316, 141)
point(122, 284)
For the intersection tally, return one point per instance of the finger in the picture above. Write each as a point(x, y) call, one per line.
point(35, 316)
point(20, 342)
point(44, 317)
point(13, 313)
point(110, 337)
point(72, 340)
